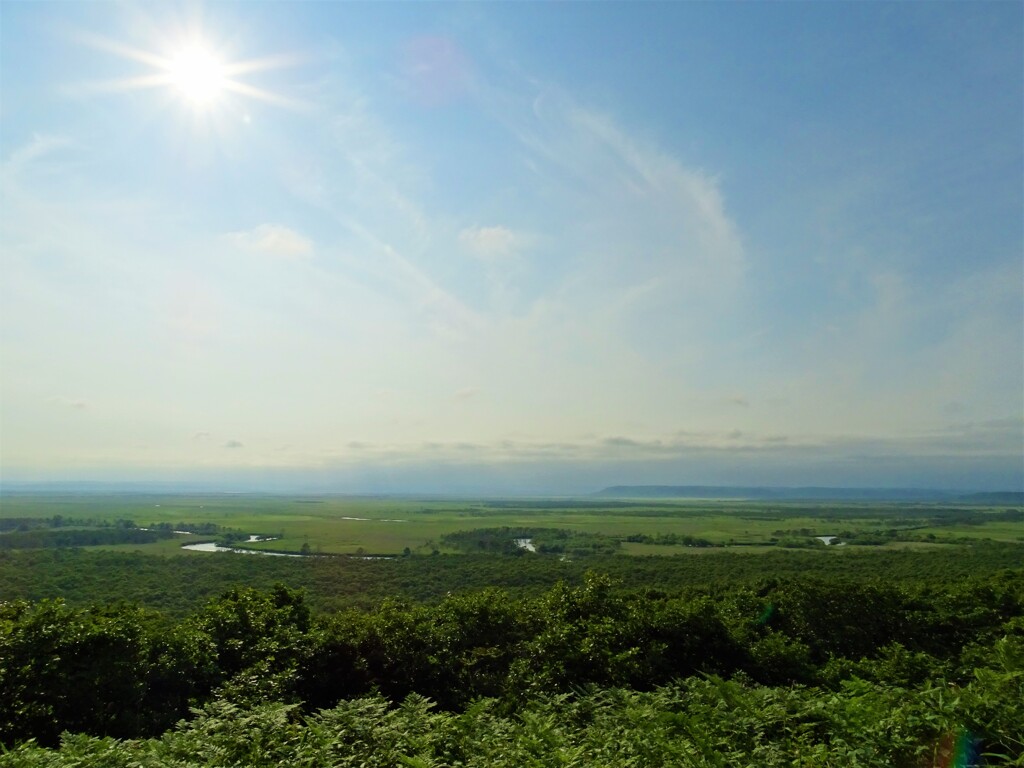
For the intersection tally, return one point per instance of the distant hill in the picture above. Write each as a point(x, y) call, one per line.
point(996, 497)
point(810, 493)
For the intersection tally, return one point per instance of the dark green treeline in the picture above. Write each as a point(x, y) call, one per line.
point(178, 585)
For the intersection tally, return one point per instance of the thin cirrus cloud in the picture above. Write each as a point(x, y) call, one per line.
point(637, 277)
point(995, 438)
point(637, 259)
point(37, 148)
point(435, 71)
point(70, 402)
point(491, 243)
point(466, 393)
point(649, 214)
point(272, 240)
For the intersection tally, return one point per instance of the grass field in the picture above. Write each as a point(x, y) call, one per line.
point(387, 526)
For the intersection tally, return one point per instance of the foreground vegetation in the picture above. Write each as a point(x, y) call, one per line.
point(698, 723)
point(838, 673)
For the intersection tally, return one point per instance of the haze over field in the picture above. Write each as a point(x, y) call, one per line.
point(513, 247)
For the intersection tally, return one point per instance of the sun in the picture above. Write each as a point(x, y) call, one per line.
point(197, 74)
point(201, 75)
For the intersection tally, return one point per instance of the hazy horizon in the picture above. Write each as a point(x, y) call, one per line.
point(513, 248)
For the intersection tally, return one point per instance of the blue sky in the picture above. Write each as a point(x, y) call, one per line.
point(513, 247)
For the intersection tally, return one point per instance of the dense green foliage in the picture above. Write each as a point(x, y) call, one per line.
point(177, 585)
point(78, 537)
point(60, 532)
point(685, 540)
point(546, 541)
point(698, 723)
point(811, 665)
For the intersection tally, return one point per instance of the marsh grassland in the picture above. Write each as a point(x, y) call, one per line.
point(387, 526)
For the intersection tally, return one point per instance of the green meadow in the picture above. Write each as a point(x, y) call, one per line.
point(390, 526)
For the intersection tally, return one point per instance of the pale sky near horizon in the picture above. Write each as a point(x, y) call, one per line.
point(537, 247)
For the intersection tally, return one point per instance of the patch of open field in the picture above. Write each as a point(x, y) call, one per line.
point(388, 526)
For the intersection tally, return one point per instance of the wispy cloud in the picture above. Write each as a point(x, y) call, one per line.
point(491, 244)
point(466, 393)
point(901, 351)
point(40, 146)
point(435, 71)
point(70, 402)
point(367, 188)
point(636, 257)
point(646, 212)
point(967, 441)
point(273, 240)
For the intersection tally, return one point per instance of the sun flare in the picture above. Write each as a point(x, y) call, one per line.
point(200, 75)
point(197, 74)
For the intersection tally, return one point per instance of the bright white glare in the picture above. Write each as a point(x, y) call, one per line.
point(198, 75)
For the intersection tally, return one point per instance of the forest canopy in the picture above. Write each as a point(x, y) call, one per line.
point(815, 665)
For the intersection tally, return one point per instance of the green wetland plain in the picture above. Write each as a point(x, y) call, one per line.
point(333, 525)
point(492, 632)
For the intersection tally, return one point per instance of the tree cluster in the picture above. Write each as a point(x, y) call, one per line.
point(179, 585)
point(553, 541)
point(121, 671)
